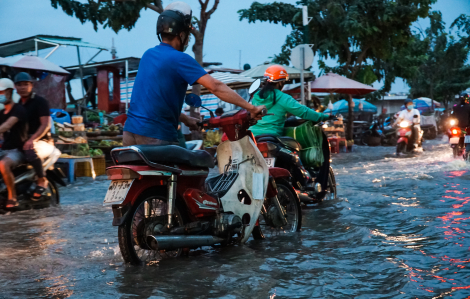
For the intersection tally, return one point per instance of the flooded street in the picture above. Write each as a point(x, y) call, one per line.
point(399, 229)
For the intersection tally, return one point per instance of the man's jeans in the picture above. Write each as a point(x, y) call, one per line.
point(135, 139)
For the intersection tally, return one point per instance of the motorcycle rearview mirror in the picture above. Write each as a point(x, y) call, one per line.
point(254, 86)
point(193, 100)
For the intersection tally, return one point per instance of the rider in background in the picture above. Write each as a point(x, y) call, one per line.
point(162, 81)
point(279, 104)
point(409, 114)
point(13, 126)
point(461, 111)
point(40, 143)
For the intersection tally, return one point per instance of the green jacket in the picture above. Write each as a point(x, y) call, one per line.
point(274, 124)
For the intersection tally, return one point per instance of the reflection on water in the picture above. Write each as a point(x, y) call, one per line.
point(398, 230)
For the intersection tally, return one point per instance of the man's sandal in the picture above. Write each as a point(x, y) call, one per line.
point(11, 204)
point(38, 190)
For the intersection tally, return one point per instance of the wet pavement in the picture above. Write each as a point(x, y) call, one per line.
point(399, 229)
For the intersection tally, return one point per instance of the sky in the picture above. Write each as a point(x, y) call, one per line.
point(225, 36)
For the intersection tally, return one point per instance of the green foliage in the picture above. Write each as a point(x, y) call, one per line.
point(443, 72)
point(353, 32)
point(276, 12)
point(116, 15)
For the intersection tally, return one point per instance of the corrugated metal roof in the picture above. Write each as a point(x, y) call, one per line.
point(28, 44)
point(233, 81)
point(120, 63)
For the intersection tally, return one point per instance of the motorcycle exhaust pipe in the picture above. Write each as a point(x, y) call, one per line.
point(175, 242)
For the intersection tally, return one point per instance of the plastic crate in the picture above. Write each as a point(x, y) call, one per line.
point(83, 169)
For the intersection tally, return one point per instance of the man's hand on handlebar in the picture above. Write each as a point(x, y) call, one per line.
point(332, 117)
point(257, 112)
point(190, 122)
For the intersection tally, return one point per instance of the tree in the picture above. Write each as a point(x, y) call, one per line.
point(444, 72)
point(124, 14)
point(353, 32)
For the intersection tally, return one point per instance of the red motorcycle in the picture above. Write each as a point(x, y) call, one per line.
point(459, 140)
point(164, 203)
point(404, 134)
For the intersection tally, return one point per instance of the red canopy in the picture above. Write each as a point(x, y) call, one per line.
point(338, 84)
point(334, 83)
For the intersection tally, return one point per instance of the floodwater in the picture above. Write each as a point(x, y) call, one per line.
point(399, 229)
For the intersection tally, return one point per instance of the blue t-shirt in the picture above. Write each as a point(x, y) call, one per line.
point(159, 91)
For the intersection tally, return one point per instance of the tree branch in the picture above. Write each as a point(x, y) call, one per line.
point(210, 12)
point(155, 8)
point(359, 61)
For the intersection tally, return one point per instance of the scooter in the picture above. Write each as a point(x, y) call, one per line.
point(25, 184)
point(458, 139)
point(283, 152)
point(163, 203)
point(373, 136)
point(404, 134)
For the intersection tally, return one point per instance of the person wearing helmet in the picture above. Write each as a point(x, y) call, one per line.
point(13, 126)
point(409, 115)
point(39, 144)
point(461, 111)
point(162, 80)
point(279, 104)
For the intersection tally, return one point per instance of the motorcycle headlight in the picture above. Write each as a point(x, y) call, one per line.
point(404, 124)
point(453, 122)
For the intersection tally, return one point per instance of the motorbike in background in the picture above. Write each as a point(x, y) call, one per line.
point(404, 133)
point(459, 140)
point(373, 136)
point(163, 201)
point(25, 184)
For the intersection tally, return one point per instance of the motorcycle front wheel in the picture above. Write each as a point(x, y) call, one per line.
point(269, 221)
point(147, 217)
point(401, 147)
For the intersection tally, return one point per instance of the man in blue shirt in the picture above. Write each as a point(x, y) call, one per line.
point(162, 80)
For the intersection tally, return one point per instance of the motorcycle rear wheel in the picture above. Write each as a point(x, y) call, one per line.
point(133, 233)
point(291, 203)
point(455, 151)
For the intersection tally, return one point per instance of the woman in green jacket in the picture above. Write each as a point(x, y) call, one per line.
point(279, 104)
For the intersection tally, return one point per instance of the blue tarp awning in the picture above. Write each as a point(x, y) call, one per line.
point(341, 107)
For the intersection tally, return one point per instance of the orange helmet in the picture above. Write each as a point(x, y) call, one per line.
point(276, 73)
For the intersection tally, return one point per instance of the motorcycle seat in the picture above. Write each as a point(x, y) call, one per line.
point(167, 154)
point(287, 141)
point(427, 126)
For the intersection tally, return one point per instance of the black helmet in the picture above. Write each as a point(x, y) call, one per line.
point(464, 98)
point(22, 77)
point(407, 101)
point(176, 18)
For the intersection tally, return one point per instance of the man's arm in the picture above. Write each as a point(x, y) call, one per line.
point(226, 94)
point(42, 130)
point(11, 121)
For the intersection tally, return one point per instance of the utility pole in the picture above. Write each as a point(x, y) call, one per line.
point(305, 21)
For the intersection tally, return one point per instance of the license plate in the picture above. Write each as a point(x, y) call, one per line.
point(270, 161)
point(117, 191)
point(467, 139)
point(454, 140)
